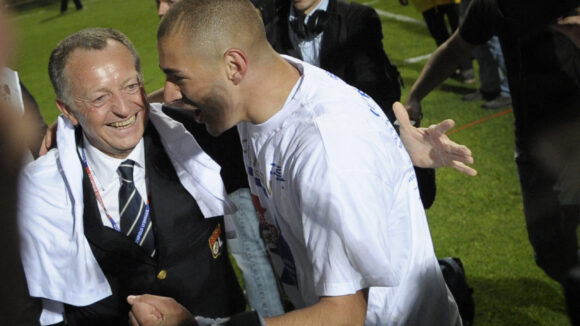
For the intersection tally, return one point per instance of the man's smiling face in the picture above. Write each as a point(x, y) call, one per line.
point(103, 94)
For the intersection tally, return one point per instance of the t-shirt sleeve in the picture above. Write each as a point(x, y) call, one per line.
point(480, 21)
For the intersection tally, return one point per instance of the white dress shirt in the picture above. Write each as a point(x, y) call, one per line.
point(309, 48)
point(104, 170)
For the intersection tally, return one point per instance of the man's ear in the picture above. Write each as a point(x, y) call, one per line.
point(66, 111)
point(236, 63)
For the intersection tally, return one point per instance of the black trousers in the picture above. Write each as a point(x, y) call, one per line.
point(551, 221)
point(64, 5)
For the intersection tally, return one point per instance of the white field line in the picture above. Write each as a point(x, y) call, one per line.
point(401, 18)
point(418, 59)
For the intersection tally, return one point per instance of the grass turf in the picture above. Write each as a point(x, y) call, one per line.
point(478, 219)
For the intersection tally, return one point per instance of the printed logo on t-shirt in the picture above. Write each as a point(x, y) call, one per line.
point(255, 176)
point(368, 100)
point(333, 76)
point(276, 175)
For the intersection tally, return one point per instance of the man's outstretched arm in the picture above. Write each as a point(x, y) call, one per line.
point(438, 68)
point(430, 147)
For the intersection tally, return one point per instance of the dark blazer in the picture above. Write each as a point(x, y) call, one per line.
point(352, 49)
point(185, 267)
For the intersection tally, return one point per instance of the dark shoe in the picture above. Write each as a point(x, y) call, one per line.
point(468, 76)
point(497, 103)
point(465, 76)
point(475, 96)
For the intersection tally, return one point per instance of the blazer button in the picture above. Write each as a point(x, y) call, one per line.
point(162, 274)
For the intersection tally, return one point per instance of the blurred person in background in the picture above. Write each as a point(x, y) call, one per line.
point(64, 5)
point(16, 133)
point(540, 42)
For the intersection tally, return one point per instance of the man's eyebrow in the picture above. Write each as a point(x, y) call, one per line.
point(169, 71)
point(130, 79)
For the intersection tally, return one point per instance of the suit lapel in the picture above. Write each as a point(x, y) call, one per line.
point(164, 192)
point(333, 37)
point(282, 42)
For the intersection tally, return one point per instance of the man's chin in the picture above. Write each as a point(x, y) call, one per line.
point(215, 132)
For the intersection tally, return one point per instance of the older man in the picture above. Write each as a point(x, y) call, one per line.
point(127, 203)
point(329, 175)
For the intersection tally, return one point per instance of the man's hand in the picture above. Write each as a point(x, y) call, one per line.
point(49, 140)
point(154, 310)
point(430, 147)
point(570, 26)
point(414, 111)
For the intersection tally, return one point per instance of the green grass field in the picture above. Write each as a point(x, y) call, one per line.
point(478, 219)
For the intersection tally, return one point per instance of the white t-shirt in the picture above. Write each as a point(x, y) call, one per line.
point(340, 204)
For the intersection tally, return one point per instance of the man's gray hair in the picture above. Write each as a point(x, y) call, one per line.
point(86, 39)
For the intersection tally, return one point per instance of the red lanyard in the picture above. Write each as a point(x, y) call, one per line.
point(100, 200)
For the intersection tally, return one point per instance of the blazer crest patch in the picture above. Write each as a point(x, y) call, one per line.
point(215, 242)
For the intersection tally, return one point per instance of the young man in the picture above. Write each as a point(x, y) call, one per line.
point(329, 175)
point(244, 241)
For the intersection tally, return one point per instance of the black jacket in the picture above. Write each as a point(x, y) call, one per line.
point(351, 48)
point(185, 267)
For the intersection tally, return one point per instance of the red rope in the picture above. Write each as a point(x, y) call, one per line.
point(476, 122)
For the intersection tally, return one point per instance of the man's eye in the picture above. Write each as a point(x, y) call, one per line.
point(176, 79)
point(132, 88)
point(100, 100)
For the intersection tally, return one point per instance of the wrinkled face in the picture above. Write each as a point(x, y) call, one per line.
point(104, 95)
point(164, 5)
point(196, 82)
point(305, 6)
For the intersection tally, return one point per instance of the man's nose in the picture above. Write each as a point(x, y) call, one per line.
point(163, 7)
point(171, 92)
point(121, 106)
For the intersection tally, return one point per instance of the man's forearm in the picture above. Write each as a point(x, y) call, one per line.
point(344, 310)
point(440, 66)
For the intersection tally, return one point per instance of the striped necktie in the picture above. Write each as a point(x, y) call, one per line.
point(133, 212)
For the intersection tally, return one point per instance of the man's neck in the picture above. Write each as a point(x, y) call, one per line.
point(315, 6)
point(277, 81)
point(104, 165)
